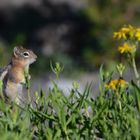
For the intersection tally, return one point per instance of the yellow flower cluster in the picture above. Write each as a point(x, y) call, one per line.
point(126, 48)
point(114, 84)
point(128, 32)
point(137, 35)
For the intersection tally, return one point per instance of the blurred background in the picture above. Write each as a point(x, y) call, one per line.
point(77, 33)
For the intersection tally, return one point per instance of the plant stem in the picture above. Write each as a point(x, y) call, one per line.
point(27, 84)
point(135, 71)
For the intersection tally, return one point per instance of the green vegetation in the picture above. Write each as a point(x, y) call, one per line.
point(114, 114)
point(76, 116)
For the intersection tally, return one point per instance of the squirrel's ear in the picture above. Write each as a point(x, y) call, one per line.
point(15, 51)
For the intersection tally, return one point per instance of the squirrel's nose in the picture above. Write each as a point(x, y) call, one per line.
point(35, 56)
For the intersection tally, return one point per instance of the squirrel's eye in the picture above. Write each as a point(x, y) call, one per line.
point(26, 54)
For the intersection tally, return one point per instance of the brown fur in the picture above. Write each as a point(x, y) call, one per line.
point(14, 79)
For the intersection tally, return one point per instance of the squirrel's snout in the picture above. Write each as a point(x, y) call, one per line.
point(35, 56)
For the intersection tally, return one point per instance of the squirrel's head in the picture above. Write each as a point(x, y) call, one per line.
point(23, 56)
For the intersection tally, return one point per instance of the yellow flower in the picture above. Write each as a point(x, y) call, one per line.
point(114, 84)
point(137, 35)
point(119, 35)
point(126, 48)
point(124, 32)
point(127, 29)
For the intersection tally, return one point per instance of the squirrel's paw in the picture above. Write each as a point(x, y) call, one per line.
point(29, 77)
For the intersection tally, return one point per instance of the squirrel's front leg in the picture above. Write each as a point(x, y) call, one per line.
point(26, 79)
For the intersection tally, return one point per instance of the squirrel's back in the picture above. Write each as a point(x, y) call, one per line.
point(4, 71)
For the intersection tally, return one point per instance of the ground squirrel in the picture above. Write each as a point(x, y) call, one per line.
point(13, 75)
